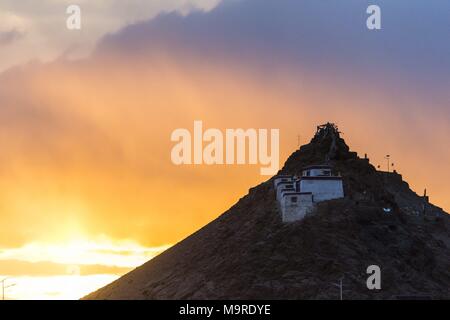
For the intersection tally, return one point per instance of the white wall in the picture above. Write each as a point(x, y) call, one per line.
point(281, 186)
point(316, 172)
point(323, 189)
point(282, 178)
point(293, 211)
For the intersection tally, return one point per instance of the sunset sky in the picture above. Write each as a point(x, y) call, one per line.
point(87, 187)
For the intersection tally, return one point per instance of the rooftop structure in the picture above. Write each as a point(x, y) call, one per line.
point(297, 196)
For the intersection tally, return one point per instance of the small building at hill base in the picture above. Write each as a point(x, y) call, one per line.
point(297, 196)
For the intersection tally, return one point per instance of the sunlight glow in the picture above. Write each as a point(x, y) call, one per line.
point(54, 271)
point(70, 287)
point(102, 251)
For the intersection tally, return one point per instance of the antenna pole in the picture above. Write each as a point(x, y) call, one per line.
point(5, 287)
point(339, 285)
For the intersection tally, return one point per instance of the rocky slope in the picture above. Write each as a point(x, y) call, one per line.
point(248, 253)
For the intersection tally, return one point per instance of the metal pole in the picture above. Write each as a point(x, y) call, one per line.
point(388, 157)
point(5, 287)
point(340, 286)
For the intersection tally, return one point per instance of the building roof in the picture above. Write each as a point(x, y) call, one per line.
point(322, 178)
point(317, 166)
point(284, 182)
point(296, 194)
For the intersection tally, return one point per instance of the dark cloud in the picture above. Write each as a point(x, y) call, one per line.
point(413, 40)
point(8, 37)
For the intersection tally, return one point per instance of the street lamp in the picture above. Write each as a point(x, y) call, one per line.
point(388, 158)
point(339, 285)
point(5, 287)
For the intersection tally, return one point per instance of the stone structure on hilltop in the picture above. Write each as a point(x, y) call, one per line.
point(297, 196)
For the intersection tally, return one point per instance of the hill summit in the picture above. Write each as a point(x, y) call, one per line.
point(249, 253)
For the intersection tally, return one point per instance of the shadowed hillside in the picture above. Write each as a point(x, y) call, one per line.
point(248, 253)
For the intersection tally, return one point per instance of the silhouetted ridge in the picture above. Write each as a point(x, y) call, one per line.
point(248, 253)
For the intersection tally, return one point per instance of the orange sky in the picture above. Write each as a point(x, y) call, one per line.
point(87, 187)
point(88, 146)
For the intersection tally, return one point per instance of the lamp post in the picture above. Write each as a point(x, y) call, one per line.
point(5, 287)
point(339, 285)
point(388, 158)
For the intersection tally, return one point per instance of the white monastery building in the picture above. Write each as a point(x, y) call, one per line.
point(297, 196)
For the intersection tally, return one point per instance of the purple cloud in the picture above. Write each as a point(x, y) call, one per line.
point(413, 41)
point(8, 37)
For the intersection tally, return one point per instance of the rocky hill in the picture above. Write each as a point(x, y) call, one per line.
point(248, 253)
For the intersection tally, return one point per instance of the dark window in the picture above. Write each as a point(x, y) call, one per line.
point(294, 199)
